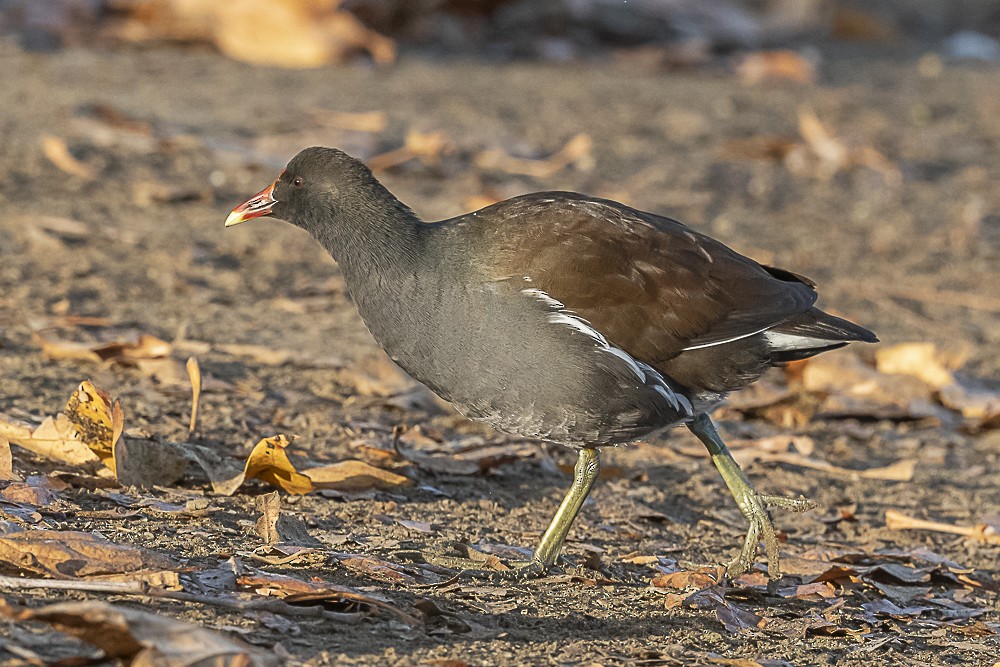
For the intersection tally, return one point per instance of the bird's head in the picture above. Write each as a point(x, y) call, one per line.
point(312, 191)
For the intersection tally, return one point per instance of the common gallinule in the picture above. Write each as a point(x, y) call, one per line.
point(562, 317)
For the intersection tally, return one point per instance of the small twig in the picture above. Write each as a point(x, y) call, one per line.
point(900, 471)
point(136, 587)
point(194, 372)
point(895, 520)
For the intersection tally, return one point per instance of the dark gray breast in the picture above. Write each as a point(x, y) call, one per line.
point(508, 355)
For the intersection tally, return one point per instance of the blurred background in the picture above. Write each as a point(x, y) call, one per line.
point(313, 33)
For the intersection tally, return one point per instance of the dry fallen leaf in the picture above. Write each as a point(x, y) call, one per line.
point(577, 151)
point(55, 438)
point(269, 506)
point(473, 460)
point(764, 65)
point(690, 579)
point(759, 148)
point(984, 532)
point(297, 33)
point(425, 146)
point(382, 570)
point(317, 591)
point(817, 590)
point(148, 463)
point(820, 154)
point(355, 121)
point(269, 462)
point(899, 471)
point(979, 404)
point(921, 360)
point(224, 474)
point(850, 23)
point(275, 528)
point(736, 619)
point(62, 554)
point(832, 155)
point(6, 462)
point(354, 475)
point(57, 152)
point(89, 430)
point(814, 569)
point(98, 420)
point(144, 347)
point(142, 638)
point(36, 490)
point(855, 389)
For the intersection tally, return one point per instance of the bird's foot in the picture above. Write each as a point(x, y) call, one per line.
point(754, 507)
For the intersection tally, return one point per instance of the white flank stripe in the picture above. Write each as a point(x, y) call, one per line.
point(782, 341)
point(678, 401)
point(542, 296)
point(627, 358)
point(723, 342)
point(644, 372)
point(562, 317)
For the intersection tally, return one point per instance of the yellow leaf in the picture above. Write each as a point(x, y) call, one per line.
point(269, 463)
point(98, 420)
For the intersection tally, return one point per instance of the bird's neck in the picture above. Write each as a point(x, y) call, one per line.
point(378, 243)
point(376, 237)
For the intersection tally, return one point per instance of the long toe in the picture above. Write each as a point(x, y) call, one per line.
point(799, 504)
point(760, 529)
point(748, 554)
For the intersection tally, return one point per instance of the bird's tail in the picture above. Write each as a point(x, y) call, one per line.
point(813, 332)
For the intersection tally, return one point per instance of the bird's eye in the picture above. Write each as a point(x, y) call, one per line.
point(297, 182)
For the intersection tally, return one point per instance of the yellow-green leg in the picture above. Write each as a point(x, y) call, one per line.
point(588, 467)
point(753, 505)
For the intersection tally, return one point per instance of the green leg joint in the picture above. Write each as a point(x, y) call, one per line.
point(752, 504)
point(588, 466)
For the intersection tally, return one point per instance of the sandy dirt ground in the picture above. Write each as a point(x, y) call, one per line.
point(168, 141)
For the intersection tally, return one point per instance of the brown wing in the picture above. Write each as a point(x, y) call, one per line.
point(652, 286)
